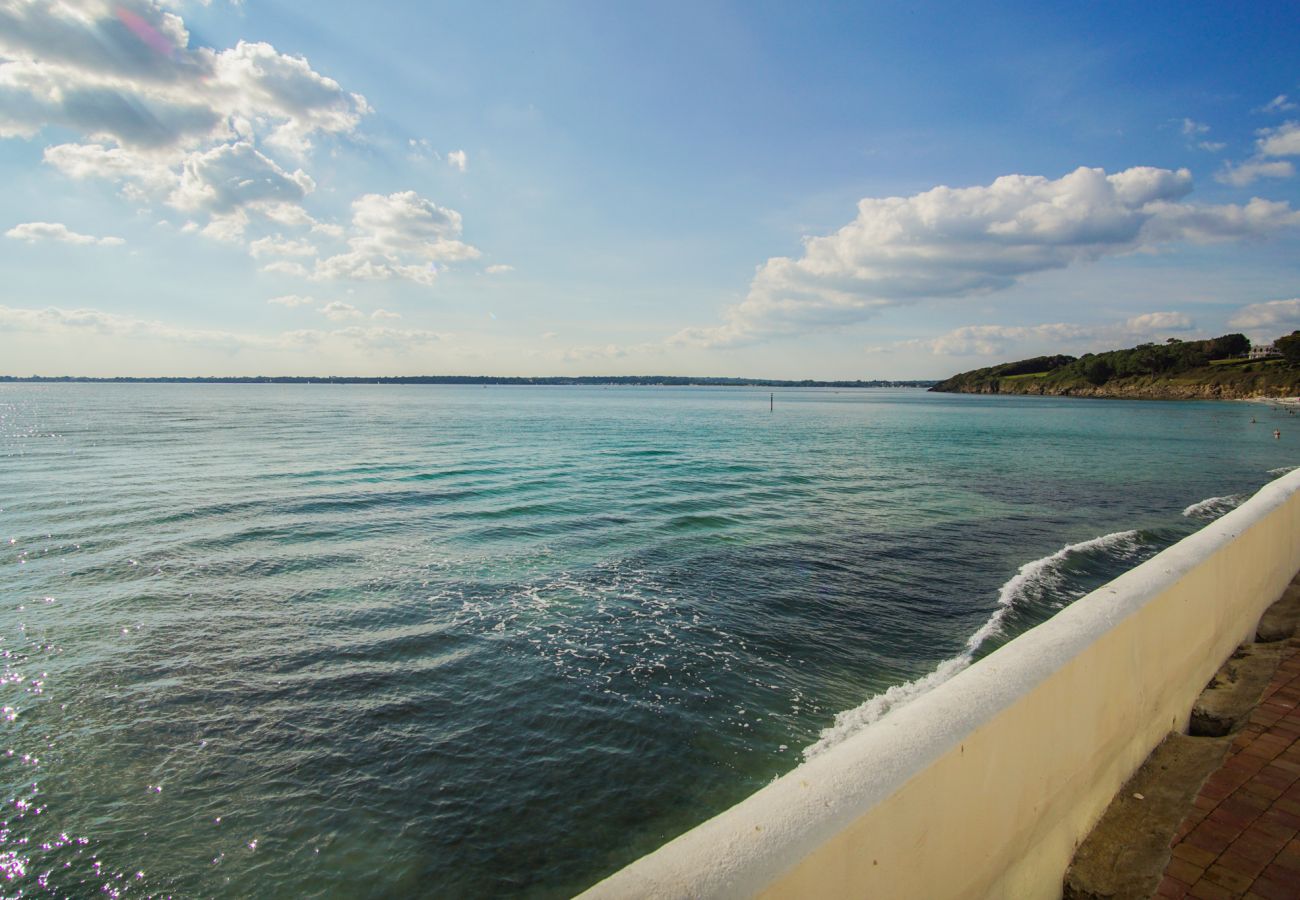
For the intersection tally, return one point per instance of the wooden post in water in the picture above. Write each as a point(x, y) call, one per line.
point(771, 401)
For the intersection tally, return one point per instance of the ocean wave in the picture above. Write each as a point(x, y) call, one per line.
point(1213, 507)
point(1282, 470)
point(1032, 582)
point(1042, 576)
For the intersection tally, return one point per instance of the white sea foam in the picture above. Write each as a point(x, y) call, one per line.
point(1213, 507)
point(1282, 470)
point(1043, 575)
point(1033, 579)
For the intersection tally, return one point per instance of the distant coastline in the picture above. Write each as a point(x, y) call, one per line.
point(1222, 368)
point(556, 380)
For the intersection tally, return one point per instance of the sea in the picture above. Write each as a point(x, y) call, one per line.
point(461, 641)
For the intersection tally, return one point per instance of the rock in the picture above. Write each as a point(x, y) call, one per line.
point(1126, 854)
point(1279, 621)
point(1228, 700)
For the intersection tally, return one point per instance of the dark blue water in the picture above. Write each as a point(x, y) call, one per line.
point(460, 641)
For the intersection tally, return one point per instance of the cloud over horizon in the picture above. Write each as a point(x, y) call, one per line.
point(56, 231)
point(959, 242)
point(1273, 314)
point(67, 322)
point(990, 340)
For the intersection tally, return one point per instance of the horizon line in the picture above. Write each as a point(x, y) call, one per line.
point(537, 380)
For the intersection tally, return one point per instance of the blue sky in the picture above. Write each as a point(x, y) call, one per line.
point(866, 190)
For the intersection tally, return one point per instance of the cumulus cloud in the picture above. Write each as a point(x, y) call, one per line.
point(957, 242)
point(64, 322)
point(193, 126)
point(1280, 103)
point(1281, 141)
point(338, 311)
point(992, 340)
point(237, 177)
point(499, 269)
point(291, 300)
point(1280, 315)
point(458, 160)
point(400, 235)
point(124, 71)
point(55, 231)
point(385, 314)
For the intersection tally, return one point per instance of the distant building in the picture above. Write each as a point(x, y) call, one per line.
point(1262, 351)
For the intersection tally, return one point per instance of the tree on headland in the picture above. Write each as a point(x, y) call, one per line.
point(1289, 347)
point(1097, 370)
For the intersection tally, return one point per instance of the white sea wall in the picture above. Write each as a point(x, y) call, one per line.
point(984, 786)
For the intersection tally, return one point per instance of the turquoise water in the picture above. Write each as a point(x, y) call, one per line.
point(275, 640)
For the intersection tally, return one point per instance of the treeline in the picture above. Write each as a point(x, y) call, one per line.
point(643, 380)
point(1170, 358)
point(1215, 367)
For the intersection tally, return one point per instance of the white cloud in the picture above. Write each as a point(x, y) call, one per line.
point(124, 71)
point(1282, 315)
point(195, 126)
point(279, 246)
point(993, 340)
point(65, 323)
point(286, 267)
point(150, 173)
point(55, 231)
point(1246, 173)
point(338, 311)
point(499, 269)
point(291, 300)
point(400, 235)
point(458, 160)
point(1281, 141)
point(1155, 322)
point(1258, 218)
point(385, 314)
point(1211, 146)
point(550, 335)
point(237, 176)
point(949, 242)
point(1272, 142)
point(1193, 128)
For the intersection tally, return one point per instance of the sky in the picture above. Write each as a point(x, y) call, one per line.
point(892, 190)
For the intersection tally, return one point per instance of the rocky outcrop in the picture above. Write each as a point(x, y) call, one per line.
point(1126, 389)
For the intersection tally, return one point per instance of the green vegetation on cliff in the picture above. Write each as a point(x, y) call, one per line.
point(1215, 368)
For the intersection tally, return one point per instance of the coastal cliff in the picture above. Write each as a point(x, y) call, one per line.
point(1216, 369)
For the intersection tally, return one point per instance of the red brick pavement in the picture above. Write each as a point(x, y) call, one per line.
point(1242, 837)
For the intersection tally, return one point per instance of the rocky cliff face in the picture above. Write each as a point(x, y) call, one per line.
point(1128, 389)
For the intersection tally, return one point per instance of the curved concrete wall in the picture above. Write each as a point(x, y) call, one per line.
point(985, 786)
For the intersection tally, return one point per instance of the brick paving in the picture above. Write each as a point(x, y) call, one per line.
point(1242, 836)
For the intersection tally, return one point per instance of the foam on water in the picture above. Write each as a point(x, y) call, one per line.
point(1213, 507)
point(1282, 470)
point(1034, 582)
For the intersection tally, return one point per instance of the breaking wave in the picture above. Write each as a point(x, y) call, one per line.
point(1040, 582)
point(1213, 507)
point(1282, 470)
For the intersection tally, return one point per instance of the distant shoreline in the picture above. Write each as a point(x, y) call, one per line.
point(585, 380)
